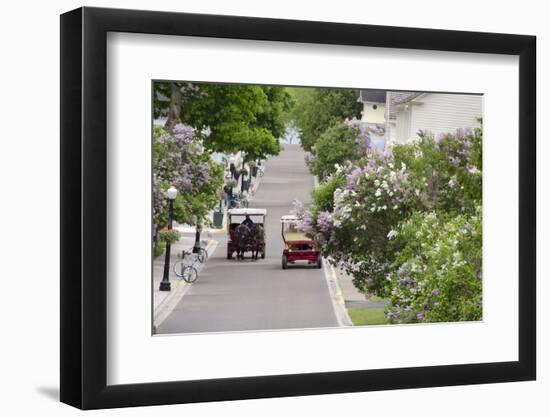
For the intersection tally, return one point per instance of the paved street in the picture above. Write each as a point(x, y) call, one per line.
point(233, 295)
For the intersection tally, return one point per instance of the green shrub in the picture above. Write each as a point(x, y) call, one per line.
point(334, 147)
point(436, 275)
point(323, 194)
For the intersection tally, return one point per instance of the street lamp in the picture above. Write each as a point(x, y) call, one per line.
point(172, 193)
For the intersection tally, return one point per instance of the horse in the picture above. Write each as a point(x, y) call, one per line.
point(256, 239)
point(242, 237)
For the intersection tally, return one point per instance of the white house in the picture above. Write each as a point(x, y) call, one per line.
point(408, 112)
point(402, 114)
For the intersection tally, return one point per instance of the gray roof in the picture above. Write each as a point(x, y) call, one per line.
point(395, 98)
point(376, 96)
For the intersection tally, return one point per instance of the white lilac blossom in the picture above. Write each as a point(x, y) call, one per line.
point(473, 170)
point(390, 200)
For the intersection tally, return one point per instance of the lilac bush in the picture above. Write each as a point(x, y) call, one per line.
point(357, 210)
point(179, 159)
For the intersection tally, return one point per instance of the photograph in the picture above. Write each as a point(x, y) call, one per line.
point(299, 207)
point(275, 209)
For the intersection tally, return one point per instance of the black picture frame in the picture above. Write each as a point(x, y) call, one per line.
point(84, 207)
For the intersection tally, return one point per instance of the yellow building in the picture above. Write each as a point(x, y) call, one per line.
point(374, 106)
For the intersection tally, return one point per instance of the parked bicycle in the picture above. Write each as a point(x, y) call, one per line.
point(239, 200)
point(202, 254)
point(188, 271)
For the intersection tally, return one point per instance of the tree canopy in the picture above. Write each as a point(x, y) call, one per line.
point(335, 146)
point(227, 117)
point(316, 109)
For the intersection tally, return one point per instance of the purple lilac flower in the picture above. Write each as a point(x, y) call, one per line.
point(297, 207)
point(305, 224)
point(324, 221)
point(462, 133)
point(183, 133)
point(453, 160)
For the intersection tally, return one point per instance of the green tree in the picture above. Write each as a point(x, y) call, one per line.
point(228, 117)
point(168, 99)
point(274, 116)
point(335, 146)
point(316, 109)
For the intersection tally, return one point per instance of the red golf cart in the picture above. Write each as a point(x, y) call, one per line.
point(298, 246)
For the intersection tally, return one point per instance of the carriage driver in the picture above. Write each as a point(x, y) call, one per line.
point(247, 221)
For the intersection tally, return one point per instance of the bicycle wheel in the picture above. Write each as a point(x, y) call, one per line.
point(179, 267)
point(202, 256)
point(190, 274)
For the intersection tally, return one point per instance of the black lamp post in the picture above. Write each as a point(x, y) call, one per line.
point(165, 283)
point(197, 245)
point(243, 171)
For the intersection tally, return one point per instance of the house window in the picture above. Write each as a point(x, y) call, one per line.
point(374, 106)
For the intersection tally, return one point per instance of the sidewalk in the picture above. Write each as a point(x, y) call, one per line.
point(164, 301)
point(360, 309)
point(352, 296)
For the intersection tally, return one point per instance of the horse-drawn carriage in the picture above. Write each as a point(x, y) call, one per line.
point(298, 246)
point(247, 237)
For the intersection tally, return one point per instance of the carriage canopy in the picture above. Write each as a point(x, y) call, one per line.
point(238, 215)
point(253, 239)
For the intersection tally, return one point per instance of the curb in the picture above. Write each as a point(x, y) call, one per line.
point(336, 295)
point(167, 305)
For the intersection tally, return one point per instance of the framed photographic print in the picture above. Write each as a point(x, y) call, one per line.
point(257, 208)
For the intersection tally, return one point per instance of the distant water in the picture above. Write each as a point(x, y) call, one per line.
point(291, 136)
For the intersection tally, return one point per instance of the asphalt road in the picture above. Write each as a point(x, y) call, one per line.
point(233, 295)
